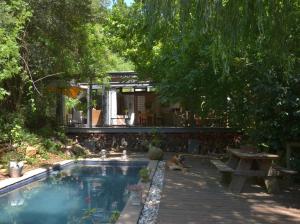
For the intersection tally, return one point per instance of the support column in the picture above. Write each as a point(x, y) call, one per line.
point(104, 109)
point(63, 112)
point(60, 108)
point(89, 105)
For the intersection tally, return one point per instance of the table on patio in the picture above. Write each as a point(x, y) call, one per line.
point(251, 164)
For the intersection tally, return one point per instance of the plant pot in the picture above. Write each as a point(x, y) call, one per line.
point(15, 169)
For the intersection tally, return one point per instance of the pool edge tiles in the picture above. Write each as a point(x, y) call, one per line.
point(11, 184)
point(131, 213)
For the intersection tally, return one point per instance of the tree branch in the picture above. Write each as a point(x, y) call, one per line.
point(28, 70)
point(40, 79)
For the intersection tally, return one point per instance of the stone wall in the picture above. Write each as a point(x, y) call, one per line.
point(202, 143)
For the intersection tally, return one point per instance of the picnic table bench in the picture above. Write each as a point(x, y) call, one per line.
point(285, 175)
point(242, 165)
point(225, 170)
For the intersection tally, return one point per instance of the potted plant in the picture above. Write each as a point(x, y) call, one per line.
point(144, 174)
point(15, 163)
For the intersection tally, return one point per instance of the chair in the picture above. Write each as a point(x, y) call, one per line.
point(77, 117)
point(130, 121)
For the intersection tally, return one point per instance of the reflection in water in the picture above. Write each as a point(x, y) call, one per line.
point(16, 198)
point(82, 194)
point(124, 170)
point(103, 168)
point(124, 155)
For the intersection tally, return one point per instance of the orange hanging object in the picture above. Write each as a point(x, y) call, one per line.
point(71, 91)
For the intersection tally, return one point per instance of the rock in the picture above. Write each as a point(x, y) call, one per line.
point(31, 151)
point(69, 147)
point(78, 150)
point(87, 152)
point(68, 153)
point(155, 153)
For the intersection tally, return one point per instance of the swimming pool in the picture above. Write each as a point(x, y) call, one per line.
point(91, 193)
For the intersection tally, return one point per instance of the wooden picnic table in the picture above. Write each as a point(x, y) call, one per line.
point(251, 164)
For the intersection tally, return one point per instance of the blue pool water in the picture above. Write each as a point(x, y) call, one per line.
point(78, 194)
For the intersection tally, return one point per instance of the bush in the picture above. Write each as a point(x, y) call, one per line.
point(12, 128)
point(12, 156)
point(51, 146)
point(155, 153)
point(31, 160)
point(114, 216)
point(144, 174)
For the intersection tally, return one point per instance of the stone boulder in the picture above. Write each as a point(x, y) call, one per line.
point(31, 151)
point(155, 153)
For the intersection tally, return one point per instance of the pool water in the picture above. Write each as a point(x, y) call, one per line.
point(78, 194)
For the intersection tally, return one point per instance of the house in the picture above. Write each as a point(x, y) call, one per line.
point(129, 108)
point(125, 101)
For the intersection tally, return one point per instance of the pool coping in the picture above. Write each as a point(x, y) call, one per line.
point(10, 184)
point(131, 213)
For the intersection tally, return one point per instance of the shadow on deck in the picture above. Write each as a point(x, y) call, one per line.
point(197, 197)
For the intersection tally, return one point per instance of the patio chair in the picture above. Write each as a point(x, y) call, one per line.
point(130, 120)
point(77, 117)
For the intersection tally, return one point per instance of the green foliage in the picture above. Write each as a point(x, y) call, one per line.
point(144, 174)
point(14, 15)
point(31, 160)
point(51, 146)
point(114, 217)
point(12, 156)
point(46, 44)
point(118, 36)
point(220, 57)
point(155, 138)
point(12, 128)
point(71, 103)
point(88, 214)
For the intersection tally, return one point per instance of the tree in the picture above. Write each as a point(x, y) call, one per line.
point(14, 15)
point(231, 56)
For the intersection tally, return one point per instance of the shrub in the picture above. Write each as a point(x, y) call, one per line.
point(114, 216)
point(12, 156)
point(51, 146)
point(155, 153)
point(144, 174)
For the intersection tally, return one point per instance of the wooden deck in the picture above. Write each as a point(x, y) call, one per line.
point(138, 129)
point(196, 197)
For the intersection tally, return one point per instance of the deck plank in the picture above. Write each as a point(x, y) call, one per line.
point(197, 197)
